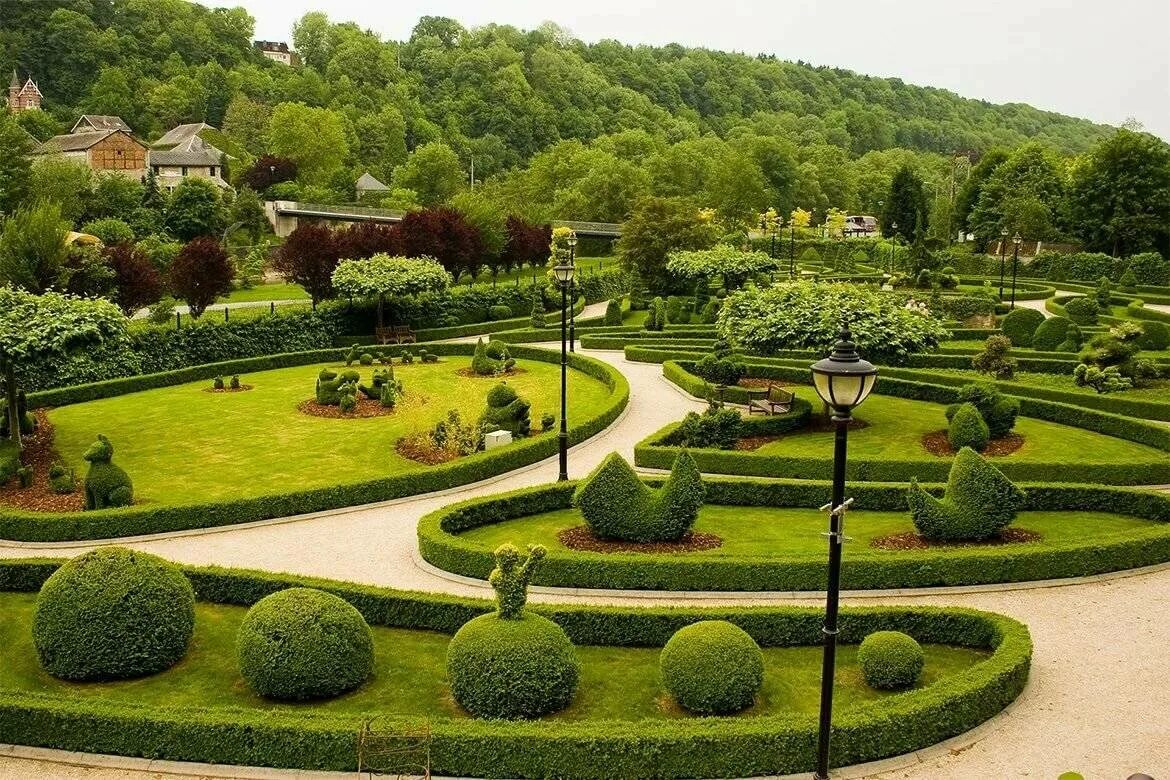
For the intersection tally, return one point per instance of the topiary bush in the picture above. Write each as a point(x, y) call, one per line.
point(497, 313)
point(979, 502)
point(1073, 339)
point(1155, 335)
point(613, 312)
point(710, 313)
point(330, 384)
point(995, 358)
point(999, 411)
point(106, 485)
point(712, 667)
point(890, 660)
point(506, 411)
point(303, 643)
point(512, 663)
point(366, 359)
point(113, 614)
point(968, 429)
point(1020, 326)
point(61, 479)
point(655, 315)
point(1082, 310)
point(720, 428)
point(617, 505)
point(217, 383)
point(1051, 333)
point(720, 371)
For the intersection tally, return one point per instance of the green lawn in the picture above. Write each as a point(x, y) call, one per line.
point(269, 291)
point(897, 425)
point(409, 674)
point(779, 531)
point(1158, 390)
point(183, 445)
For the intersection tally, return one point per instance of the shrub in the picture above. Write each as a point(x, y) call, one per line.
point(388, 396)
point(106, 485)
point(352, 355)
point(1128, 280)
point(1073, 340)
point(408, 357)
point(1104, 294)
point(329, 386)
point(613, 312)
point(720, 428)
point(235, 382)
point(112, 614)
point(455, 435)
point(637, 292)
point(536, 318)
point(480, 362)
point(674, 311)
point(218, 383)
point(366, 359)
point(999, 411)
point(616, 505)
point(720, 371)
point(809, 257)
point(1155, 335)
point(968, 429)
point(1051, 333)
point(427, 357)
point(506, 411)
point(712, 667)
point(979, 502)
point(1150, 268)
point(547, 421)
point(1020, 326)
point(303, 643)
point(512, 663)
point(497, 313)
point(1082, 310)
point(890, 660)
point(710, 313)
point(111, 231)
point(24, 476)
point(655, 315)
point(994, 358)
point(1103, 380)
point(62, 479)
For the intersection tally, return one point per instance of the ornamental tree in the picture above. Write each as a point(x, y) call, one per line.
point(525, 244)
point(136, 280)
point(808, 315)
point(657, 227)
point(384, 276)
point(201, 273)
point(308, 257)
point(733, 265)
point(195, 209)
point(35, 327)
point(269, 170)
point(443, 234)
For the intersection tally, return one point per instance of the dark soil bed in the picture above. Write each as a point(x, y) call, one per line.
point(911, 540)
point(40, 453)
point(938, 444)
point(582, 538)
point(240, 389)
point(466, 371)
point(750, 443)
point(755, 382)
point(365, 408)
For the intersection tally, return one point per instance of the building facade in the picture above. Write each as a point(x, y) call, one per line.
point(182, 153)
point(23, 97)
point(104, 151)
point(277, 51)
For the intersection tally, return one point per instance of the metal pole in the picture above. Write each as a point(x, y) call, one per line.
point(573, 304)
point(841, 420)
point(1002, 253)
point(1015, 262)
point(563, 436)
point(791, 251)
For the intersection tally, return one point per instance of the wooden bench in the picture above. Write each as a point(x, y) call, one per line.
point(404, 334)
point(776, 401)
point(385, 335)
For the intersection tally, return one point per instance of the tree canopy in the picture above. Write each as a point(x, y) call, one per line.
point(383, 275)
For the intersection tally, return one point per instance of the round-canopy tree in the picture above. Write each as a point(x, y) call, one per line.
point(808, 315)
point(734, 265)
point(383, 276)
point(33, 327)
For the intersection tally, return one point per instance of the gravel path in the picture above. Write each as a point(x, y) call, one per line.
point(1095, 703)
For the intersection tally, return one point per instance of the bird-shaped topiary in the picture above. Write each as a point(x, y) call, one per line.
point(979, 502)
point(617, 505)
point(507, 411)
point(106, 485)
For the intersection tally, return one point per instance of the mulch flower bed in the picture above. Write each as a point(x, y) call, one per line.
point(582, 538)
point(911, 540)
point(469, 372)
point(938, 444)
point(418, 447)
point(755, 382)
point(40, 453)
point(750, 443)
point(365, 408)
point(240, 389)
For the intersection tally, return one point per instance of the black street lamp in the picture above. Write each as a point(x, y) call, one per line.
point(564, 276)
point(1003, 234)
point(842, 380)
point(791, 248)
point(572, 242)
point(893, 244)
point(1017, 240)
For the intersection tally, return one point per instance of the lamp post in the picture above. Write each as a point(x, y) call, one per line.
point(564, 276)
point(1016, 240)
point(572, 242)
point(842, 380)
point(893, 244)
point(1003, 234)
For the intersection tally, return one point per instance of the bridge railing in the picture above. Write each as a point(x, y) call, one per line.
point(360, 213)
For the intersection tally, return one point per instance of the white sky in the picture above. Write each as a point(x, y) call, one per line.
point(1106, 61)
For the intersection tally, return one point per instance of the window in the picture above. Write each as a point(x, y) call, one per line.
point(211, 170)
point(184, 170)
point(156, 169)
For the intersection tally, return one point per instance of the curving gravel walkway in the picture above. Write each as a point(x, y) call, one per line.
point(1095, 703)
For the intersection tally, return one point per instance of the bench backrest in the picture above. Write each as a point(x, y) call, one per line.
point(779, 395)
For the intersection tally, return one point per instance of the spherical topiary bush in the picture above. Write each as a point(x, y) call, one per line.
point(890, 660)
point(303, 643)
point(1083, 310)
point(712, 667)
point(1020, 326)
point(1051, 333)
point(521, 667)
point(111, 614)
point(1155, 335)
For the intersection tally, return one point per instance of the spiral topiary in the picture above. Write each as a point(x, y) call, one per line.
point(303, 643)
point(890, 660)
point(712, 667)
point(113, 614)
point(512, 663)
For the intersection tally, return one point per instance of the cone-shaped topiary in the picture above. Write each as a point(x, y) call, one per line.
point(113, 614)
point(616, 505)
point(979, 502)
point(512, 663)
point(890, 660)
point(613, 312)
point(106, 485)
point(507, 411)
point(968, 429)
point(303, 643)
point(712, 667)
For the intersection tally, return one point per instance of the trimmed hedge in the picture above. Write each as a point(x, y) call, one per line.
point(441, 544)
point(148, 519)
point(774, 744)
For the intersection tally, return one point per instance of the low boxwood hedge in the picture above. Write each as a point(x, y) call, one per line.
point(148, 519)
point(691, 747)
point(441, 544)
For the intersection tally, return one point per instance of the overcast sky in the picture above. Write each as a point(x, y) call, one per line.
point(1103, 60)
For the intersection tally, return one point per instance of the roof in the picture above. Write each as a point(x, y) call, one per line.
point(183, 145)
point(368, 182)
point(208, 156)
point(186, 136)
point(280, 46)
point(101, 122)
point(74, 142)
point(15, 83)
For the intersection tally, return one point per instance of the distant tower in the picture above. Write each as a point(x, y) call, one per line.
point(23, 97)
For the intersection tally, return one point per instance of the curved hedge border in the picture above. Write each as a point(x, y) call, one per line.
point(441, 545)
point(148, 519)
point(692, 747)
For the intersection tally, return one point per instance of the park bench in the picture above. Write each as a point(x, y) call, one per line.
point(404, 334)
point(385, 335)
point(776, 401)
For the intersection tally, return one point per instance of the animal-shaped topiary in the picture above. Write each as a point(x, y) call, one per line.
point(617, 505)
point(329, 385)
point(28, 423)
point(507, 411)
point(380, 379)
point(352, 355)
point(979, 502)
point(347, 396)
point(511, 576)
point(106, 485)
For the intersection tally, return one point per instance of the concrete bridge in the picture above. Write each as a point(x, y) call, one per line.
point(286, 214)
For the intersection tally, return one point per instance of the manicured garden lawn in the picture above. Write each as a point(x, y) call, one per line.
point(270, 291)
point(409, 674)
point(896, 427)
point(1151, 391)
point(768, 531)
point(184, 445)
